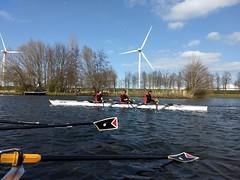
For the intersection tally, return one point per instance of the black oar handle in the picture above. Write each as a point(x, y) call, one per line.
point(41, 126)
point(99, 157)
point(20, 122)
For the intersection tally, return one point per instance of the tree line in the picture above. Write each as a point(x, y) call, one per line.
point(195, 78)
point(62, 68)
point(59, 68)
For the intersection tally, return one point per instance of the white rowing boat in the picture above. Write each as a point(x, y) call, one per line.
point(142, 106)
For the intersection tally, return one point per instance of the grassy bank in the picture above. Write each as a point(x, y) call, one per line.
point(227, 94)
point(112, 92)
point(131, 92)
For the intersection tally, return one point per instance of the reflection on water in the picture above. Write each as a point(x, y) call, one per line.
point(214, 136)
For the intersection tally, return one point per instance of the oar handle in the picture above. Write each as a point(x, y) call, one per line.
point(20, 122)
point(100, 157)
point(41, 126)
point(11, 158)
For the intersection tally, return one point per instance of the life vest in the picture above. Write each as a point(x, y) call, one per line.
point(98, 97)
point(123, 98)
point(147, 98)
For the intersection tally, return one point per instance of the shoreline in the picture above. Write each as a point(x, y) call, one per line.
point(167, 94)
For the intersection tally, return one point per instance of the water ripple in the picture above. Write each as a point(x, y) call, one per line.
point(214, 136)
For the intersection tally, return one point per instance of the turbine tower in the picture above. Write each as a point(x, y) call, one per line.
point(5, 52)
point(140, 55)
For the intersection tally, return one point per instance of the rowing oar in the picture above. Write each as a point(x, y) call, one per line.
point(102, 125)
point(166, 106)
point(17, 158)
point(130, 101)
point(21, 122)
point(102, 102)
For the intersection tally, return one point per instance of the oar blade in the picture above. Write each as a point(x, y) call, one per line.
point(183, 157)
point(15, 173)
point(107, 124)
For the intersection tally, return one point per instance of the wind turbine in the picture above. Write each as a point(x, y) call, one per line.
point(140, 54)
point(5, 52)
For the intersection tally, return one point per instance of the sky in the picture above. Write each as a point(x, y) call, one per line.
point(181, 30)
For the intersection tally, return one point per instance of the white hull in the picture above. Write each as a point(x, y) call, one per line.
point(158, 107)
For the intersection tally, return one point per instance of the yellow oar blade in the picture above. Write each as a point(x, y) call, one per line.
point(12, 158)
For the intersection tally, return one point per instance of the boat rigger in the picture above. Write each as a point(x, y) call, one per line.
point(172, 107)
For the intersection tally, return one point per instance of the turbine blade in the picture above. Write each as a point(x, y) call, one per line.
point(146, 38)
point(4, 47)
point(147, 60)
point(132, 51)
point(14, 52)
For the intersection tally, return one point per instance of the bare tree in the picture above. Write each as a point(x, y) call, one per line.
point(165, 80)
point(127, 79)
point(226, 79)
point(72, 66)
point(159, 79)
point(179, 80)
point(111, 78)
point(30, 66)
point(237, 82)
point(211, 81)
point(218, 81)
point(196, 76)
point(172, 80)
point(144, 79)
point(134, 80)
point(154, 79)
point(95, 68)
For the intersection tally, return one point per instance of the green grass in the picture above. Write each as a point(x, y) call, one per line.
point(159, 93)
point(221, 93)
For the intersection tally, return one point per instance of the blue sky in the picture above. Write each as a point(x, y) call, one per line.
point(209, 30)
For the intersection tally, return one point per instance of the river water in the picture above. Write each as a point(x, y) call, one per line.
point(214, 136)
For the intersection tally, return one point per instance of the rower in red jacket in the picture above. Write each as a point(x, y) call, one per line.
point(148, 98)
point(98, 97)
point(124, 97)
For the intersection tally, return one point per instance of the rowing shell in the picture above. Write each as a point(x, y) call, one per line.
point(158, 107)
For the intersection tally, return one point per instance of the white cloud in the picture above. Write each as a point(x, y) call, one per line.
point(234, 38)
point(6, 15)
point(214, 36)
point(182, 10)
point(133, 3)
point(167, 60)
point(204, 57)
point(189, 9)
point(175, 25)
point(233, 66)
point(169, 63)
point(193, 43)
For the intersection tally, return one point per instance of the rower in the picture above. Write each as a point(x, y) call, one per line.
point(98, 97)
point(124, 99)
point(148, 98)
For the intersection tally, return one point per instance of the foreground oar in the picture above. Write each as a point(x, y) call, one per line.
point(102, 125)
point(21, 122)
point(17, 159)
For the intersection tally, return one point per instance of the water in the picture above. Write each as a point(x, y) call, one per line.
point(213, 136)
